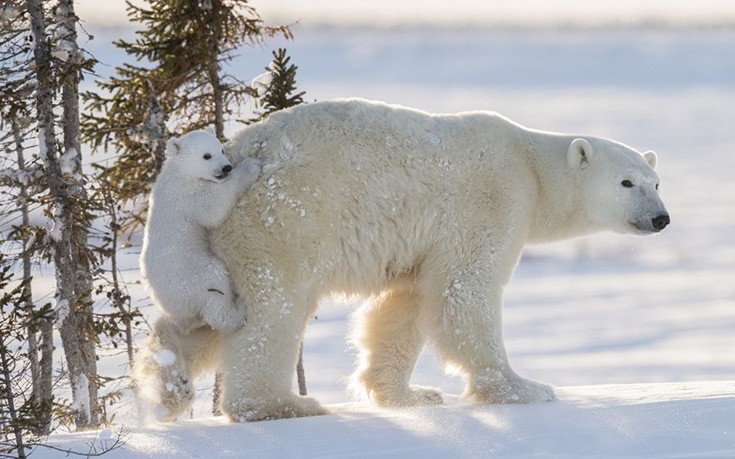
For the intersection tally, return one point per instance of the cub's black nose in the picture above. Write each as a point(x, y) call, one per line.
point(227, 169)
point(660, 222)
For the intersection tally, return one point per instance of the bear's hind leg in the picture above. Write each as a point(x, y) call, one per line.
point(259, 360)
point(389, 340)
point(163, 383)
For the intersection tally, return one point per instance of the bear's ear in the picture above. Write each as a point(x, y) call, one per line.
point(173, 146)
point(579, 154)
point(652, 159)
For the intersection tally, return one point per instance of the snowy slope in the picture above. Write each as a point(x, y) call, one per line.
point(640, 420)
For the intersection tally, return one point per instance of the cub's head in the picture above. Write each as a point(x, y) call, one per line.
point(620, 186)
point(199, 155)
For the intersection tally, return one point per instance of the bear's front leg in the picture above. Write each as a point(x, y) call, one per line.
point(469, 336)
point(259, 360)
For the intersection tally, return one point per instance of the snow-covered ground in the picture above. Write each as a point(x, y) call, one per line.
point(598, 317)
point(644, 420)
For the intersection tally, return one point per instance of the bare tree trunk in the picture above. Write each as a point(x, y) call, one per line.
point(5, 368)
point(214, 73)
point(300, 376)
point(119, 299)
point(156, 133)
point(41, 375)
point(26, 257)
point(69, 236)
point(217, 394)
point(46, 382)
point(81, 266)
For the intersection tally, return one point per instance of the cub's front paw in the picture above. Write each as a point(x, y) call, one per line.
point(248, 170)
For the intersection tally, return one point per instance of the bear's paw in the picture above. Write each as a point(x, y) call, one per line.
point(415, 396)
point(511, 390)
point(292, 406)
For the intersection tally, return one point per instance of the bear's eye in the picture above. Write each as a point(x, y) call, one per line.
point(657, 187)
point(627, 183)
point(207, 156)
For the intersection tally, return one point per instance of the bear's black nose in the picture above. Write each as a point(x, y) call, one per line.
point(227, 169)
point(660, 222)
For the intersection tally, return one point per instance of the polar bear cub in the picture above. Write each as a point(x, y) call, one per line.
point(194, 192)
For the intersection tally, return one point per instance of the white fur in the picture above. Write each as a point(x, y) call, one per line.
point(194, 193)
point(426, 213)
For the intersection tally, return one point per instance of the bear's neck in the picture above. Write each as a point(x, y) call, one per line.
point(560, 208)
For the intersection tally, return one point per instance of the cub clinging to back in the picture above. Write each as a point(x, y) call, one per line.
point(194, 192)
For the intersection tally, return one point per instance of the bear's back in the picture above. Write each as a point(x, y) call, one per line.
point(367, 182)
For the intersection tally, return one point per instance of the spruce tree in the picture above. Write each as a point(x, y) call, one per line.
point(20, 188)
point(276, 88)
point(58, 64)
point(180, 86)
point(19, 410)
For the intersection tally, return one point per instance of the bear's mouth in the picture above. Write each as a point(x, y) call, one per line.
point(646, 227)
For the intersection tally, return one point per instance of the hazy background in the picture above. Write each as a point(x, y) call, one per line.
point(460, 11)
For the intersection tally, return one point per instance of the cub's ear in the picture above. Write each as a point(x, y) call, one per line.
point(652, 158)
point(173, 146)
point(580, 153)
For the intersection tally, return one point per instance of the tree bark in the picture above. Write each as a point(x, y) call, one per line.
point(5, 366)
point(69, 236)
point(300, 375)
point(41, 371)
point(214, 74)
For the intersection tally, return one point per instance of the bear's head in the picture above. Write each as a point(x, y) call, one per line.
point(620, 186)
point(199, 155)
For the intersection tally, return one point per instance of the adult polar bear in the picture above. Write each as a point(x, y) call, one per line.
point(426, 213)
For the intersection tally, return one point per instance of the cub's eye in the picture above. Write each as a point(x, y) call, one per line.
point(627, 183)
point(657, 186)
point(207, 156)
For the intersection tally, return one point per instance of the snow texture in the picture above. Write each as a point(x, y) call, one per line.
point(62, 311)
point(68, 164)
point(42, 147)
point(261, 83)
point(164, 357)
point(55, 225)
point(81, 396)
point(638, 420)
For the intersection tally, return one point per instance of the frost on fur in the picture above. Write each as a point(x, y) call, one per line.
point(195, 190)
